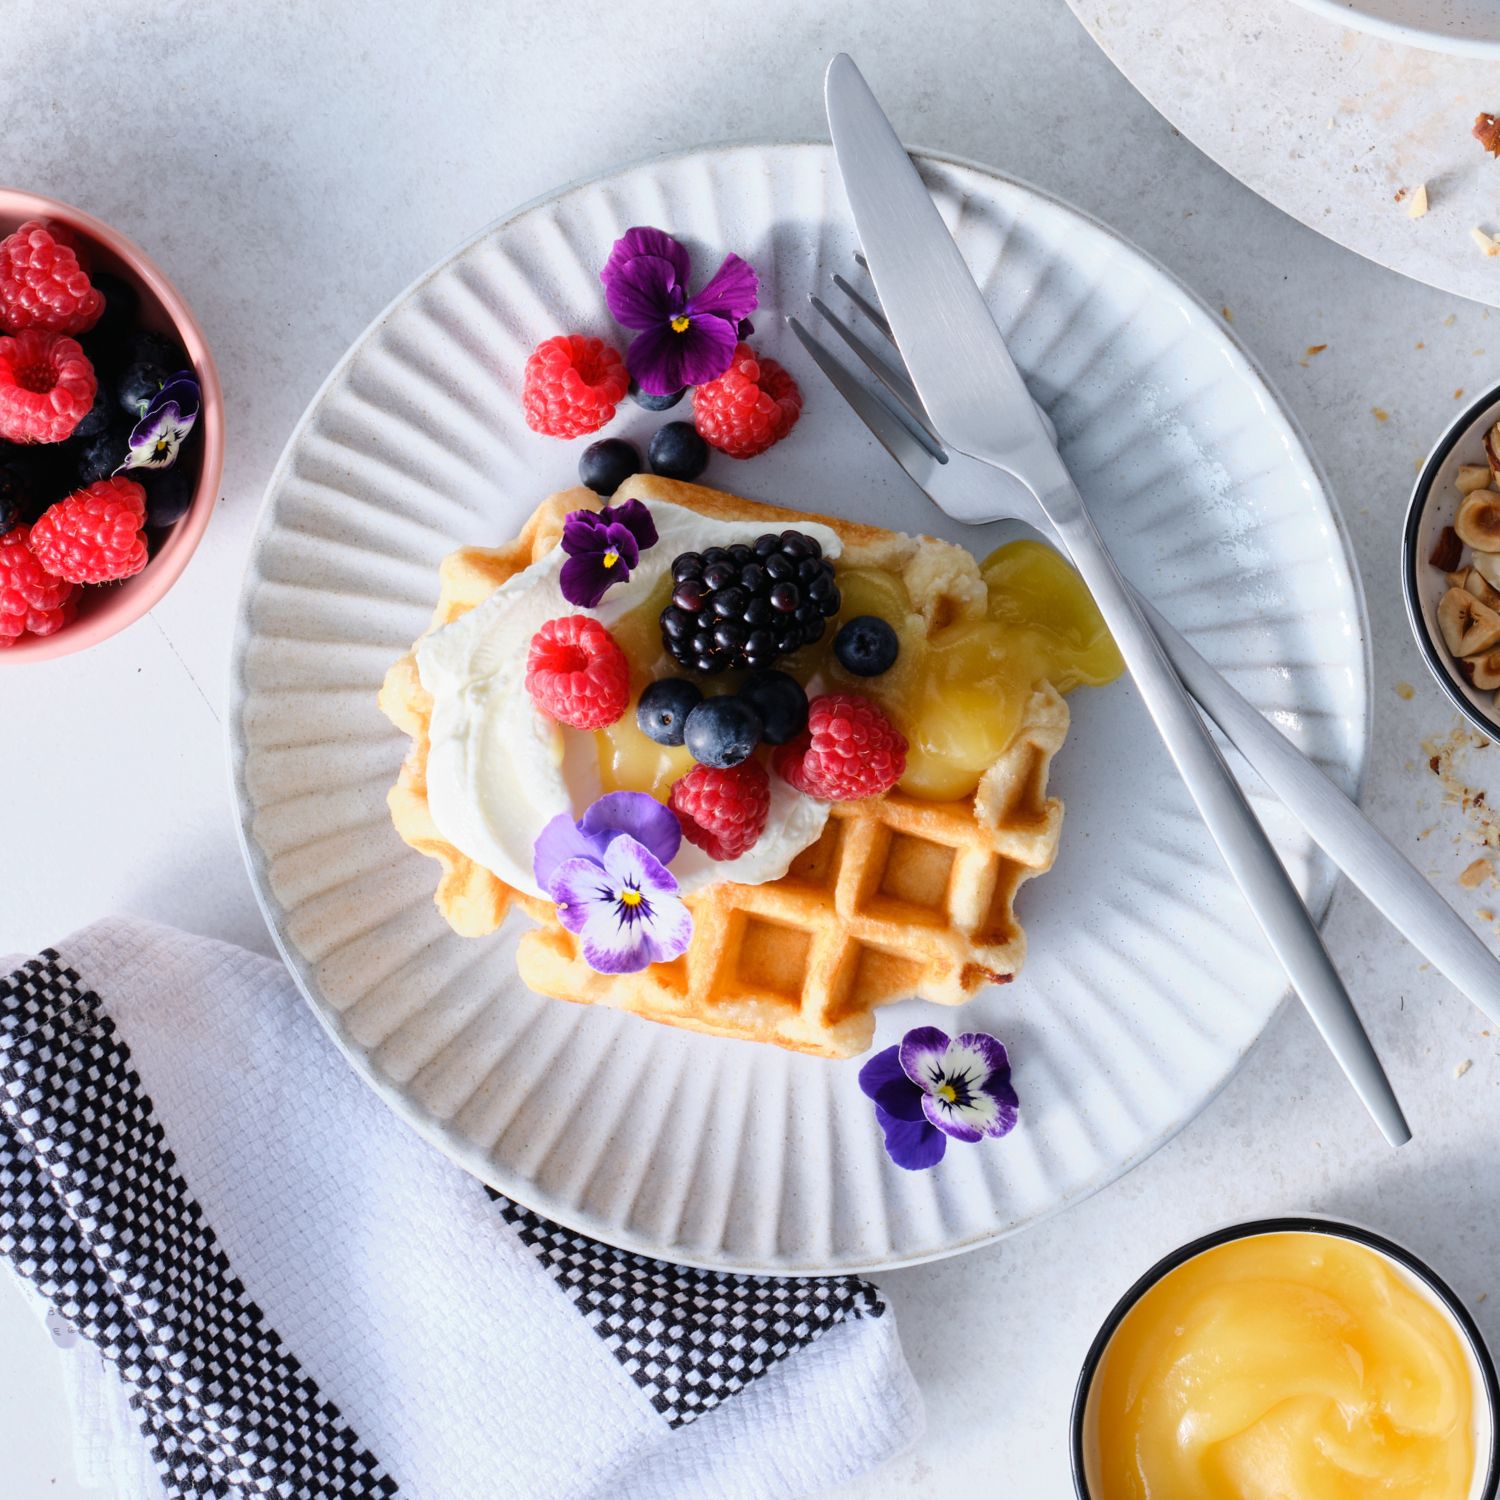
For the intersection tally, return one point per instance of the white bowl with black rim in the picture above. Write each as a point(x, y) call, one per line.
point(1433, 506)
point(1088, 1484)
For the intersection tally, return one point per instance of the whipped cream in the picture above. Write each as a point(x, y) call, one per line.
point(499, 770)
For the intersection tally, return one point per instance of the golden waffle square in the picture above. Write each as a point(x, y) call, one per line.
point(898, 898)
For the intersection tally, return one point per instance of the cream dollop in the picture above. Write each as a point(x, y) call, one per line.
point(499, 770)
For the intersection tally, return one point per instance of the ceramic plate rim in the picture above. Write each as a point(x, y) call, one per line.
point(431, 1129)
point(1404, 33)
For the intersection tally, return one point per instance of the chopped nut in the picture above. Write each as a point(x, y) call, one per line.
point(1458, 395)
point(1487, 133)
point(1405, 691)
point(1487, 246)
point(1226, 314)
point(1476, 874)
point(1418, 205)
point(1463, 1067)
point(1447, 551)
point(1381, 414)
point(1472, 477)
point(1400, 194)
point(1313, 349)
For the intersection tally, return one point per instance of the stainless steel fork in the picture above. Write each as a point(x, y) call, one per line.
point(894, 414)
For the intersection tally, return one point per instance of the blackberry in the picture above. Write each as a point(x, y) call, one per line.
point(748, 605)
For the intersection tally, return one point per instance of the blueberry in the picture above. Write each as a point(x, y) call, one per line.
point(677, 452)
point(663, 709)
point(169, 494)
point(606, 465)
point(98, 416)
point(122, 305)
point(649, 402)
point(10, 509)
point(142, 379)
point(150, 347)
point(744, 329)
point(781, 703)
point(722, 732)
point(99, 455)
point(866, 646)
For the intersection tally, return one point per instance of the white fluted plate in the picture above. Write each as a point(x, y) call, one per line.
point(1146, 982)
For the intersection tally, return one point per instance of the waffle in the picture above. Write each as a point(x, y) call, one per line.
point(898, 898)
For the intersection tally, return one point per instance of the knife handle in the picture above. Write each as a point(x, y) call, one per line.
point(1398, 890)
point(1242, 841)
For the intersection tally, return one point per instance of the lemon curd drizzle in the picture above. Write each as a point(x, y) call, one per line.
point(957, 693)
point(1283, 1365)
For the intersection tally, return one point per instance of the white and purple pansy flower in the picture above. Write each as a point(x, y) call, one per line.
point(608, 875)
point(158, 437)
point(930, 1087)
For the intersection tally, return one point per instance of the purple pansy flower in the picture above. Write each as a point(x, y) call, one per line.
point(930, 1086)
point(608, 875)
point(681, 339)
point(173, 412)
point(602, 547)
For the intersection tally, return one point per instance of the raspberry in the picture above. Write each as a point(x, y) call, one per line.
point(850, 750)
point(752, 405)
point(31, 598)
point(42, 284)
point(94, 536)
point(723, 811)
point(47, 387)
point(576, 672)
point(573, 384)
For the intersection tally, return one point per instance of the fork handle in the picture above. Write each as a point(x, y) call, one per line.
point(1398, 890)
point(1242, 841)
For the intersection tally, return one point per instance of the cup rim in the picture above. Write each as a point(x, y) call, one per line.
point(1285, 1224)
point(151, 585)
point(1433, 653)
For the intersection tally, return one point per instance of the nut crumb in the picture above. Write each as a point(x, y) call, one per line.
point(1406, 691)
point(1421, 343)
point(1313, 349)
point(1482, 1297)
point(1381, 414)
point(1463, 1067)
point(1226, 314)
point(1418, 205)
point(1487, 132)
point(1487, 246)
point(1475, 874)
point(1485, 915)
point(1458, 395)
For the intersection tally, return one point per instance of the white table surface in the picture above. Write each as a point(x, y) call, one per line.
point(293, 166)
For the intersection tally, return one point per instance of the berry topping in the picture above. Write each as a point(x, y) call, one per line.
point(42, 285)
point(606, 465)
point(723, 811)
point(781, 703)
point(140, 385)
point(577, 674)
point(747, 605)
point(752, 405)
point(722, 732)
point(31, 598)
point(573, 384)
point(677, 452)
point(169, 495)
point(94, 536)
point(850, 750)
point(866, 646)
point(664, 706)
point(47, 387)
point(647, 402)
point(99, 454)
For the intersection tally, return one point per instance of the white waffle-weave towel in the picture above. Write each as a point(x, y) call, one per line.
point(278, 1288)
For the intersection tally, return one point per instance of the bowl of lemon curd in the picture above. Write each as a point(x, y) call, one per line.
point(1287, 1359)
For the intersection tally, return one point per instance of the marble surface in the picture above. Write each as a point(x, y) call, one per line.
point(316, 158)
point(1329, 123)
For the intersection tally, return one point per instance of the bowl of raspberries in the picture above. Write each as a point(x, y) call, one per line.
point(111, 430)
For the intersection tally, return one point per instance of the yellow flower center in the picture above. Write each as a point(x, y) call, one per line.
point(680, 323)
point(630, 898)
point(946, 1092)
point(611, 558)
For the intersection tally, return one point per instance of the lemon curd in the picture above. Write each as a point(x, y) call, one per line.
point(1284, 1366)
point(956, 692)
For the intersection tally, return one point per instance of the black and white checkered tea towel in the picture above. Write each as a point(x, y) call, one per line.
point(271, 1286)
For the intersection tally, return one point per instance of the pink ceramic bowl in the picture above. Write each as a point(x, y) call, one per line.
point(106, 609)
